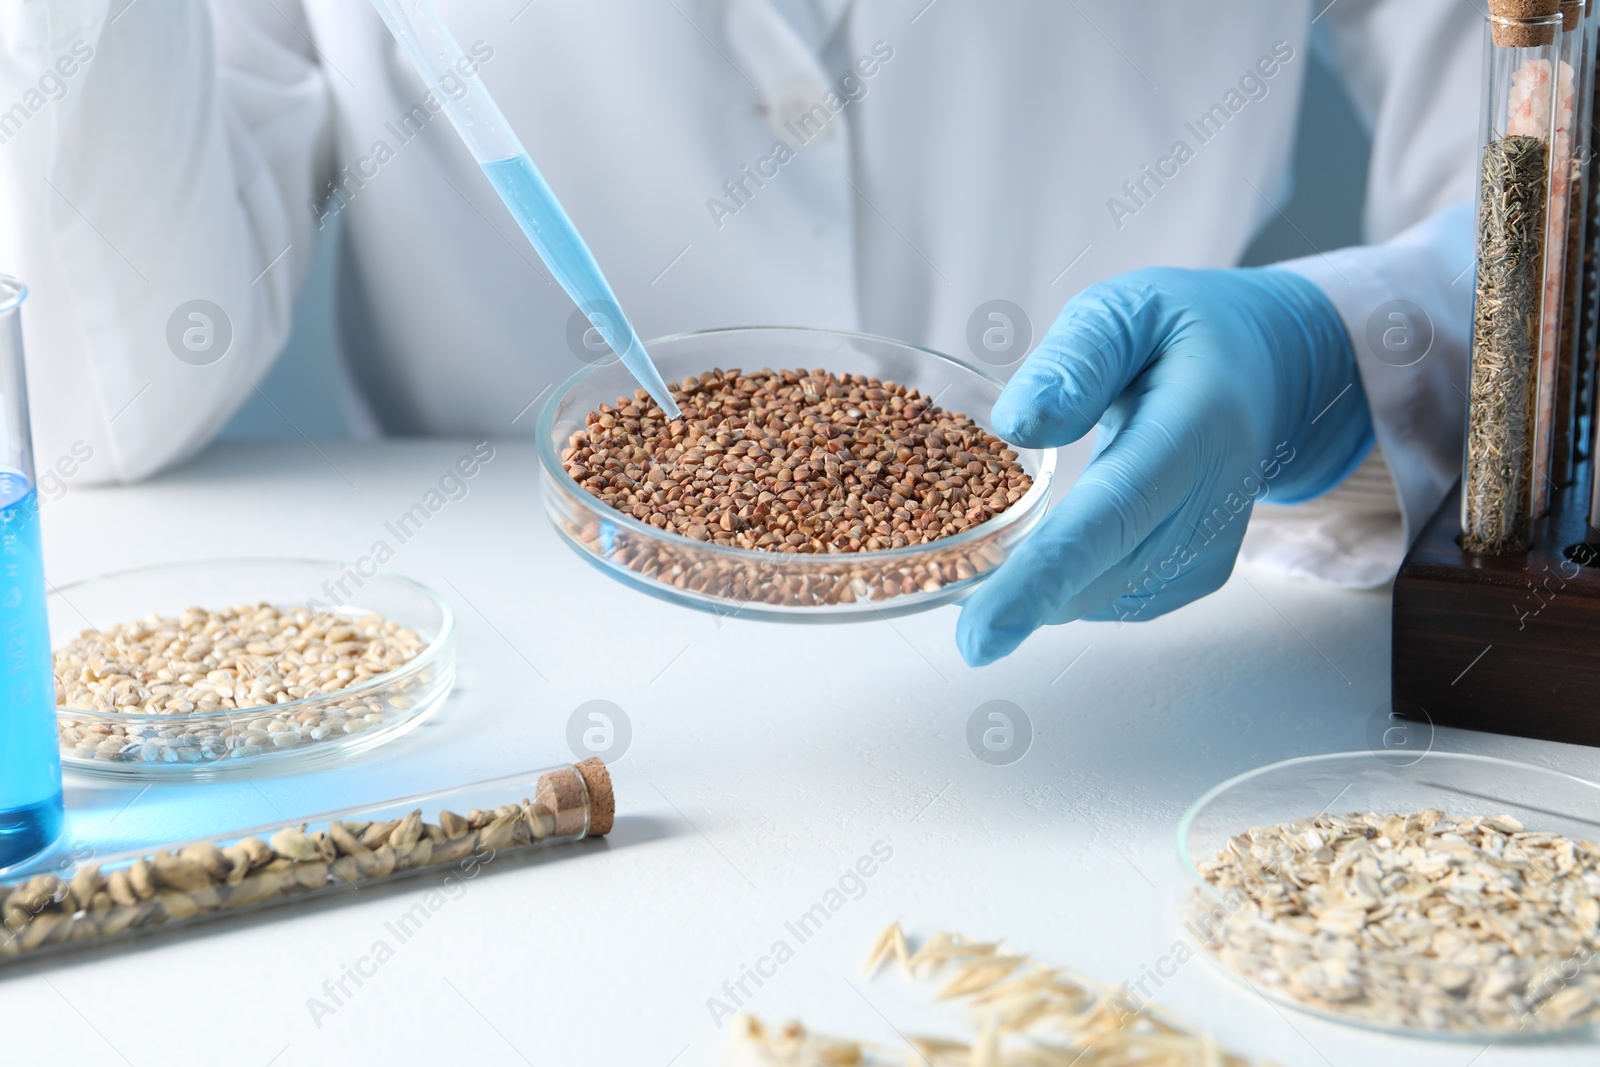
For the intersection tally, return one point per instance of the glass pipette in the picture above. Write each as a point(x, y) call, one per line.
point(433, 50)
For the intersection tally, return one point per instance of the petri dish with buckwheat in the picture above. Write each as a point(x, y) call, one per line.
point(779, 585)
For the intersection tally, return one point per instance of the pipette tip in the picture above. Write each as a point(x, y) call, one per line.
point(661, 394)
point(643, 369)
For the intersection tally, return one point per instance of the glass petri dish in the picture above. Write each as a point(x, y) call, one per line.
point(277, 737)
point(1510, 997)
point(785, 586)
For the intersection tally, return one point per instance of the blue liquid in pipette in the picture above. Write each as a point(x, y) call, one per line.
point(542, 219)
point(30, 761)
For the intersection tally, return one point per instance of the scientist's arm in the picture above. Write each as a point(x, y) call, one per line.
point(1413, 70)
point(157, 159)
point(1215, 391)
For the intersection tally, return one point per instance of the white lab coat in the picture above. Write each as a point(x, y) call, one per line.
point(1015, 151)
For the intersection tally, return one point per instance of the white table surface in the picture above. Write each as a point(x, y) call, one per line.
point(765, 761)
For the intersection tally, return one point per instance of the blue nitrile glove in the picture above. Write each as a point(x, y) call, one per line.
point(1213, 389)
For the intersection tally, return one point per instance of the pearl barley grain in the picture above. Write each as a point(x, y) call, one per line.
point(240, 657)
point(208, 663)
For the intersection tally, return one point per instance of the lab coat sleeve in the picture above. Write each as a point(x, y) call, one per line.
point(161, 154)
point(1412, 68)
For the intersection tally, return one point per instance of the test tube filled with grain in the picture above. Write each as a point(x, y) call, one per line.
point(460, 833)
point(1521, 58)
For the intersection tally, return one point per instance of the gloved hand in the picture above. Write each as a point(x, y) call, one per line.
point(1213, 389)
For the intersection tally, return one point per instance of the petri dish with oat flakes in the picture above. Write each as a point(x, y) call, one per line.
point(776, 585)
point(1468, 943)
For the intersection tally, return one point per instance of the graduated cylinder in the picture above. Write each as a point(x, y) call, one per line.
point(30, 762)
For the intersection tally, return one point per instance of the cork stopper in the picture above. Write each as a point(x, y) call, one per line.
point(565, 793)
point(1523, 9)
point(602, 803)
point(1522, 33)
point(1571, 13)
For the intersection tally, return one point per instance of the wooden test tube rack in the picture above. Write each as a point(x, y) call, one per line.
point(1508, 644)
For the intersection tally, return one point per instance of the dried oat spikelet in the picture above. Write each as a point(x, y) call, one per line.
point(793, 1044)
point(892, 941)
point(979, 974)
point(986, 1049)
point(939, 1050)
point(1022, 1014)
point(943, 947)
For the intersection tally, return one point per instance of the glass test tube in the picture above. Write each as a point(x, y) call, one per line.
point(30, 761)
point(458, 832)
point(1564, 215)
point(1522, 50)
point(1572, 372)
point(1585, 368)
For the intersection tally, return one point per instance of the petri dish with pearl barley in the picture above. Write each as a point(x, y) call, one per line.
point(785, 586)
point(279, 732)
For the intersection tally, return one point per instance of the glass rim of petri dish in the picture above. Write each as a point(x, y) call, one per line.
point(1023, 510)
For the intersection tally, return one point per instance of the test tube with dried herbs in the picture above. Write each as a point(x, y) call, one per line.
point(1520, 67)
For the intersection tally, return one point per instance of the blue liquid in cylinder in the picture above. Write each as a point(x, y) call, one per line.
point(30, 761)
